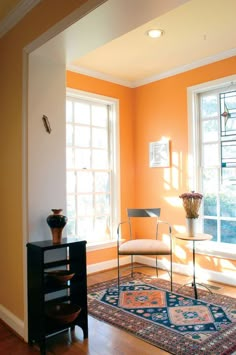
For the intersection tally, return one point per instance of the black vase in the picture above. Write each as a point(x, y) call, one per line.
point(56, 222)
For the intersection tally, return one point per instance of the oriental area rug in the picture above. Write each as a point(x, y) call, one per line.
point(172, 321)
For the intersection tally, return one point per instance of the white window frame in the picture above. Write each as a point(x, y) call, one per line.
point(206, 248)
point(115, 141)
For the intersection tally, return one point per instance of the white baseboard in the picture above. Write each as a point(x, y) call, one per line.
point(105, 265)
point(203, 274)
point(18, 325)
point(12, 321)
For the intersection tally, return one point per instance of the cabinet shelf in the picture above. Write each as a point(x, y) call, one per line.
point(40, 287)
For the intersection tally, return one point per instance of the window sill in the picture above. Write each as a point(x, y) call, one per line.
point(101, 245)
point(220, 250)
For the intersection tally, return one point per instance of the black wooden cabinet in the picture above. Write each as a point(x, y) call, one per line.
point(44, 256)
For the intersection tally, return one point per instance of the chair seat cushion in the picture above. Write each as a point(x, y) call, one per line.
point(144, 247)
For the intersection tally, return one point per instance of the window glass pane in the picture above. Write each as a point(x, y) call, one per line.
point(100, 159)
point(85, 182)
point(70, 227)
point(228, 205)
point(69, 111)
point(229, 176)
point(102, 182)
point(82, 158)
point(228, 234)
point(100, 227)
point(69, 158)
point(70, 182)
point(81, 113)
point(99, 138)
point(209, 106)
point(210, 227)
point(210, 155)
point(209, 130)
point(71, 213)
point(99, 116)
point(210, 205)
point(85, 228)
point(69, 134)
point(210, 180)
point(82, 136)
point(85, 205)
point(102, 204)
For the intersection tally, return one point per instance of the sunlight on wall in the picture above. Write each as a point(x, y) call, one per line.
point(180, 252)
point(167, 179)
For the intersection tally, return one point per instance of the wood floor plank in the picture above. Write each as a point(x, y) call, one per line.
point(104, 339)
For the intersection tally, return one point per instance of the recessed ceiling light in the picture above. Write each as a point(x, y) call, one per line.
point(155, 33)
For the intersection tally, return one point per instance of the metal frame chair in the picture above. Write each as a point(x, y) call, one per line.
point(144, 246)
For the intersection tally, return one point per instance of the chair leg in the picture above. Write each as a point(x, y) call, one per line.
point(118, 272)
point(132, 266)
point(171, 274)
point(156, 268)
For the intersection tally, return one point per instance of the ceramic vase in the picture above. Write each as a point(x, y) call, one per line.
point(56, 222)
point(191, 226)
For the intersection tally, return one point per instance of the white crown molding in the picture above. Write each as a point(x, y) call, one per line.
point(172, 72)
point(16, 14)
point(187, 67)
point(99, 75)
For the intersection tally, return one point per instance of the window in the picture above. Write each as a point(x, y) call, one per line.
point(92, 165)
point(213, 154)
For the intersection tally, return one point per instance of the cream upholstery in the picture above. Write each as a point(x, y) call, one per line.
point(143, 246)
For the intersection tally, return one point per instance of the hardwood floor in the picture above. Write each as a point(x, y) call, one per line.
point(103, 339)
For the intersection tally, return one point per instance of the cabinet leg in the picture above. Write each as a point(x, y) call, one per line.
point(43, 348)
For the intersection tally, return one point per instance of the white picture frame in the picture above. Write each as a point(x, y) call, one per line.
point(159, 154)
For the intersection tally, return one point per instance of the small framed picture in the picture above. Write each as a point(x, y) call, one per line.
point(159, 154)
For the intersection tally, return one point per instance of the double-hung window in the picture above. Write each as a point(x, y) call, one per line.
point(213, 152)
point(92, 166)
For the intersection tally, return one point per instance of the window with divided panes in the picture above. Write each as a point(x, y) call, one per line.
point(217, 155)
point(90, 157)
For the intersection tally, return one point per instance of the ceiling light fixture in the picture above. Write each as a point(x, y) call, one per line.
point(155, 33)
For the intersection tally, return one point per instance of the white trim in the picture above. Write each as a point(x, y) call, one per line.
point(187, 67)
point(114, 103)
point(171, 72)
point(101, 245)
point(107, 265)
point(12, 321)
point(222, 250)
point(210, 248)
point(62, 25)
point(184, 269)
point(99, 75)
point(18, 325)
point(25, 232)
point(89, 6)
point(16, 14)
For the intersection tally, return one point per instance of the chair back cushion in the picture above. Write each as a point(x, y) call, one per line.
point(143, 212)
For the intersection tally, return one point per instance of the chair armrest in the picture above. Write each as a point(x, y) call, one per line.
point(168, 224)
point(118, 232)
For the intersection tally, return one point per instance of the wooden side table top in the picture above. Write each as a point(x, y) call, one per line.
point(198, 237)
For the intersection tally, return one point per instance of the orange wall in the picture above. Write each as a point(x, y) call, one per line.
point(12, 250)
point(146, 114)
point(161, 110)
point(151, 115)
point(126, 112)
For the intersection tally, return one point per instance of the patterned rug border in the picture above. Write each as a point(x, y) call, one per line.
point(224, 343)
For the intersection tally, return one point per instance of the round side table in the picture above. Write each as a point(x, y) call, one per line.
point(200, 237)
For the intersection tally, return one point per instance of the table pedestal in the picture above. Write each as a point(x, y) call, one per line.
point(199, 237)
